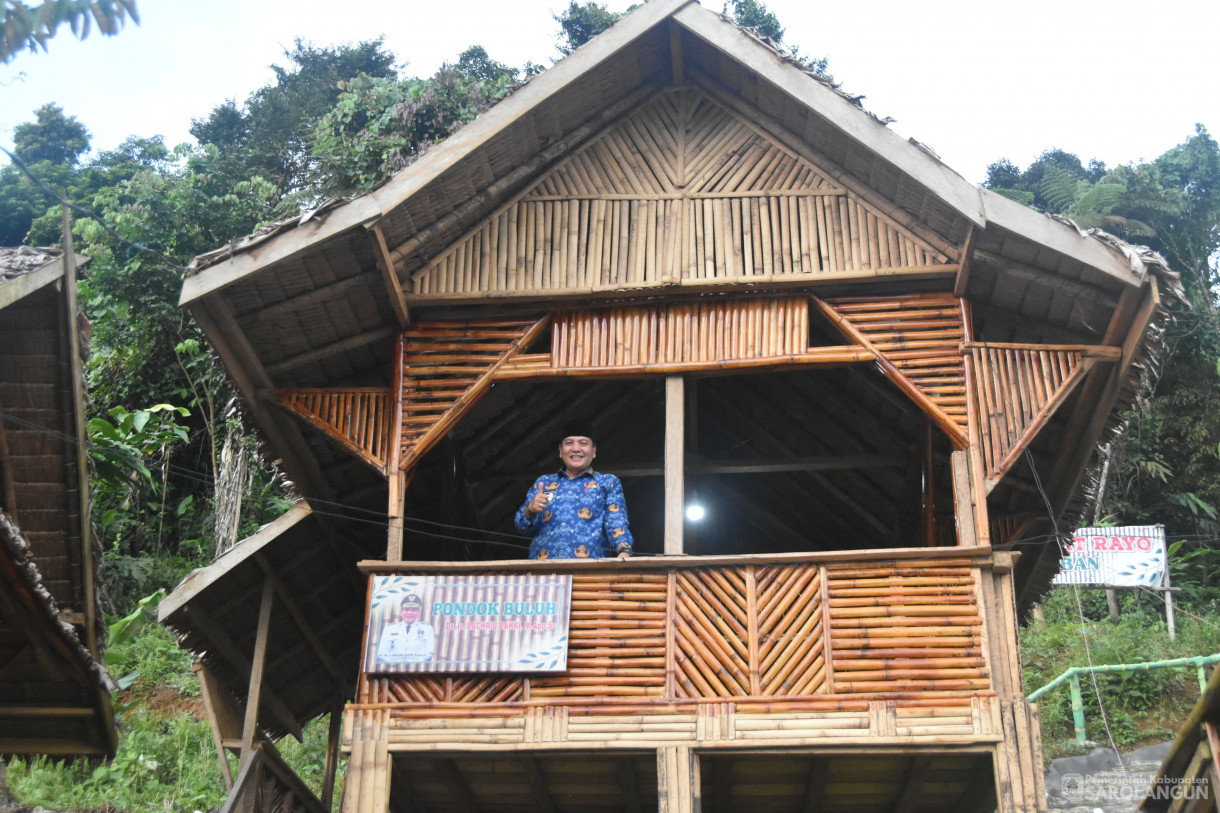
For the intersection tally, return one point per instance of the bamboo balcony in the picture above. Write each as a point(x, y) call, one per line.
point(884, 647)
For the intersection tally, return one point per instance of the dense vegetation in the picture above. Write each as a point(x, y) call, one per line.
point(167, 431)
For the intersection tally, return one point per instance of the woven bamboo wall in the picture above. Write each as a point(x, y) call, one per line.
point(1016, 387)
point(681, 190)
point(736, 633)
point(661, 334)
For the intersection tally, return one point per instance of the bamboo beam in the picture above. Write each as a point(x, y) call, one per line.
point(472, 395)
point(912, 785)
point(385, 264)
point(815, 785)
point(259, 661)
point(543, 801)
point(814, 357)
point(309, 357)
point(307, 631)
point(219, 714)
point(314, 297)
point(675, 54)
point(242, 363)
point(8, 487)
point(929, 486)
point(241, 664)
point(675, 495)
point(458, 789)
point(629, 788)
point(943, 421)
point(76, 372)
point(693, 465)
point(1028, 273)
point(963, 273)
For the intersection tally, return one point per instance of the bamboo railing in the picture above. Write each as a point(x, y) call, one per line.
point(358, 418)
point(682, 190)
point(778, 634)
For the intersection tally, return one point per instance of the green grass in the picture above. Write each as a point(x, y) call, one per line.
point(166, 760)
point(1141, 707)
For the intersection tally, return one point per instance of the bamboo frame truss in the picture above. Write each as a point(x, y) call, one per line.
point(917, 340)
point(1017, 388)
point(681, 190)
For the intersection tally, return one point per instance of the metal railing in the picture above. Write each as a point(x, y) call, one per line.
point(1072, 676)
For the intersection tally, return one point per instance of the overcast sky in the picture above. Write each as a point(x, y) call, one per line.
point(1117, 80)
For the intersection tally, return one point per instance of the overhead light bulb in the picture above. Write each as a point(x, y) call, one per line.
point(694, 512)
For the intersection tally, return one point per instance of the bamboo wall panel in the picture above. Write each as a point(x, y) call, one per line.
point(1016, 390)
point(791, 634)
point(665, 334)
point(681, 190)
point(358, 418)
point(910, 626)
point(616, 644)
point(445, 368)
point(710, 629)
point(921, 335)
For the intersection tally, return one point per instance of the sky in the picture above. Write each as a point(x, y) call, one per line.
point(975, 80)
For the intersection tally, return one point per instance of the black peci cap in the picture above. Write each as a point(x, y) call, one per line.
point(411, 600)
point(579, 428)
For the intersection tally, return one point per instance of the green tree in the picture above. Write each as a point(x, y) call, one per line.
point(30, 26)
point(52, 136)
point(268, 135)
point(754, 15)
point(581, 22)
point(380, 125)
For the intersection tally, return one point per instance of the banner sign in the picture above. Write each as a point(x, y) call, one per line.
point(468, 623)
point(1130, 556)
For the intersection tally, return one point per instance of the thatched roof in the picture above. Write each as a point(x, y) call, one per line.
point(314, 640)
point(54, 697)
point(316, 302)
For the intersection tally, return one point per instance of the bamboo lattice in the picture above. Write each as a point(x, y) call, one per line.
point(911, 626)
point(710, 629)
point(791, 635)
point(681, 190)
point(921, 335)
point(446, 368)
point(1017, 388)
point(358, 418)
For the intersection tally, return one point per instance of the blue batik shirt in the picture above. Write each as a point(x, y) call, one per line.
point(586, 519)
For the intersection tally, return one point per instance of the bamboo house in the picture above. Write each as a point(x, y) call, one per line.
point(54, 693)
point(874, 376)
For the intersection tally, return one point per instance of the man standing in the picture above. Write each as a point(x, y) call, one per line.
point(576, 513)
point(409, 640)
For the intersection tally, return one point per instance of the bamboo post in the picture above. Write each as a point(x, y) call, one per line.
point(678, 780)
point(674, 443)
point(82, 435)
point(258, 662)
point(1077, 707)
point(333, 742)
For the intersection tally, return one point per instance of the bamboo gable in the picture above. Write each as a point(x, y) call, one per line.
point(681, 191)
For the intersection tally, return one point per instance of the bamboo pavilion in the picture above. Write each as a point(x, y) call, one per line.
point(883, 384)
point(54, 693)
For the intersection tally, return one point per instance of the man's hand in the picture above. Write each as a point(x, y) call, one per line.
point(624, 555)
point(538, 504)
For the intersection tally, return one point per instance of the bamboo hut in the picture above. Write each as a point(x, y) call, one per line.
point(54, 693)
point(884, 384)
